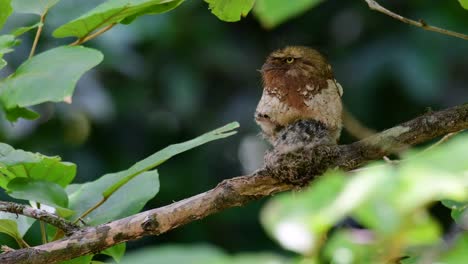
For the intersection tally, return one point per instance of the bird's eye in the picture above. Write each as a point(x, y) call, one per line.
point(290, 60)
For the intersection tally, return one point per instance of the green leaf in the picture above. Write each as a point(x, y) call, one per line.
point(5, 11)
point(421, 230)
point(3, 63)
point(39, 191)
point(230, 10)
point(110, 12)
point(171, 254)
point(19, 163)
point(129, 190)
point(37, 7)
point(457, 253)
point(23, 222)
point(21, 30)
point(128, 200)
point(168, 152)
point(350, 246)
point(36, 80)
point(288, 217)
point(116, 252)
point(6, 43)
point(10, 228)
point(464, 3)
point(390, 201)
point(13, 114)
point(274, 12)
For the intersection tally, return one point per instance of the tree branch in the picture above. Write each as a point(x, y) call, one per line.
point(239, 191)
point(421, 23)
point(41, 215)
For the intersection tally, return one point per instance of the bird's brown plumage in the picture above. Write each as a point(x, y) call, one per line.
point(298, 84)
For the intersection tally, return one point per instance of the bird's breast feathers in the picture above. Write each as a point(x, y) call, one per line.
point(279, 107)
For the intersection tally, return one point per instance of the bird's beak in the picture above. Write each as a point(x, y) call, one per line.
point(268, 66)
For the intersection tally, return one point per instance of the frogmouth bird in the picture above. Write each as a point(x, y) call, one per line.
point(298, 84)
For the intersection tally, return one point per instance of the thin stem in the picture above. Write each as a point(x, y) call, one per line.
point(43, 227)
point(421, 23)
point(23, 243)
point(93, 35)
point(43, 232)
point(442, 140)
point(87, 212)
point(38, 34)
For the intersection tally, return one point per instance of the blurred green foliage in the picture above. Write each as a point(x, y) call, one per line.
point(388, 202)
point(166, 78)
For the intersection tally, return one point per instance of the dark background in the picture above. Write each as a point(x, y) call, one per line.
point(168, 78)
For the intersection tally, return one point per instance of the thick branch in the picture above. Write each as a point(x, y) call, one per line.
point(241, 190)
point(421, 23)
point(41, 215)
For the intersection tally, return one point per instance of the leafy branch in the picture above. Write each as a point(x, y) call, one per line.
point(241, 190)
point(373, 5)
point(157, 159)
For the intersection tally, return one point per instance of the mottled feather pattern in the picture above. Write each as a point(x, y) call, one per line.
point(298, 85)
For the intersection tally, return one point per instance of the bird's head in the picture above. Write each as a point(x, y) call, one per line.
point(293, 64)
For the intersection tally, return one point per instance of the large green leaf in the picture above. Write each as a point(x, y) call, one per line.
point(128, 191)
point(49, 76)
point(464, 3)
point(274, 12)
point(5, 11)
point(40, 191)
point(128, 200)
point(19, 163)
point(110, 12)
point(37, 7)
point(168, 152)
point(230, 10)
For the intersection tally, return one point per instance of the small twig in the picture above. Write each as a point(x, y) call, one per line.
point(42, 227)
point(389, 161)
point(38, 34)
point(373, 5)
point(93, 35)
point(442, 140)
point(87, 212)
point(40, 215)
